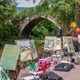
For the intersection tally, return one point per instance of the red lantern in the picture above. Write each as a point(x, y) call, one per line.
point(78, 30)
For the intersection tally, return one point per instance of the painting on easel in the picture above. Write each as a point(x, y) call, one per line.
point(49, 43)
point(67, 42)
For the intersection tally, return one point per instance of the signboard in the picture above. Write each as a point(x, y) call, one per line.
point(67, 42)
point(9, 57)
point(49, 43)
point(3, 75)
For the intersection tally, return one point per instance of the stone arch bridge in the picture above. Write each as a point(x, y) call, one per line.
point(28, 24)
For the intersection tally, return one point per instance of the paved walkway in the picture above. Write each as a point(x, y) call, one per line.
point(73, 74)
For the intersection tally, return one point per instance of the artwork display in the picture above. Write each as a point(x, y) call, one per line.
point(28, 49)
point(67, 42)
point(25, 54)
point(9, 57)
point(33, 49)
point(58, 44)
point(49, 43)
point(3, 75)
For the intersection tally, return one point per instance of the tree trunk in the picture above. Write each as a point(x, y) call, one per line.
point(64, 29)
point(77, 14)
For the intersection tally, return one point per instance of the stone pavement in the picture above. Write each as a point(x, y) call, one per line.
point(73, 74)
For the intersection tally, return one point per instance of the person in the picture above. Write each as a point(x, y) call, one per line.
point(78, 42)
point(75, 44)
point(72, 57)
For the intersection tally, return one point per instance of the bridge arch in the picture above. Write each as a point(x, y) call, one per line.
point(26, 29)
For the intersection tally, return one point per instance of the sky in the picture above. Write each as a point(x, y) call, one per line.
point(24, 3)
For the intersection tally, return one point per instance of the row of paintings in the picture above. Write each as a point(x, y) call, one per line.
point(54, 43)
point(25, 49)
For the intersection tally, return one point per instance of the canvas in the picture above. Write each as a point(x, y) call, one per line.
point(67, 43)
point(57, 44)
point(70, 44)
point(25, 54)
point(49, 43)
point(9, 57)
point(28, 49)
point(33, 49)
point(3, 75)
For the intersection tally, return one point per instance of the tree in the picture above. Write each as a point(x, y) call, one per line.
point(64, 12)
point(8, 30)
point(44, 28)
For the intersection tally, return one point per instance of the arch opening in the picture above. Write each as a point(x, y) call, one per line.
point(26, 30)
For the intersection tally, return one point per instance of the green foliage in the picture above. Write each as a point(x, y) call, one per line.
point(44, 28)
point(65, 10)
point(7, 1)
point(8, 30)
point(8, 33)
point(62, 10)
